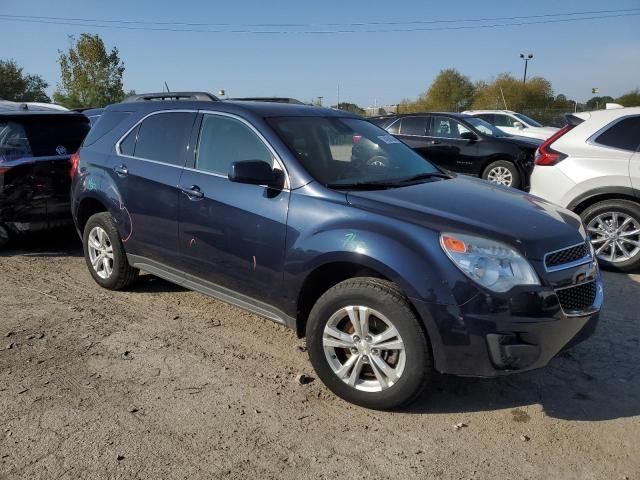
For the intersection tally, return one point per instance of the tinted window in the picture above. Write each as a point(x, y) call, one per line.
point(225, 140)
point(13, 141)
point(164, 137)
point(445, 127)
point(487, 117)
point(102, 124)
point(394, 128)
point(625, 134)
point(128, 145)
point(42, 135)
point(414, 126)
point(503, 120)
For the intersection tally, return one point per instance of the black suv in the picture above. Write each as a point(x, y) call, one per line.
point(35, 147)
point(465, 144)
point(390, 269)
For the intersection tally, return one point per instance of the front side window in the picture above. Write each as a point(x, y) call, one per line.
point(528, 120)
point(503, 120)
point(485, 127)
point(164, 137)
point(344, 151)
point(624, 134)
point(225, 140)
point(445, 127)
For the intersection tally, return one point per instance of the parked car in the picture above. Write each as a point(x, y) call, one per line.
point(390, 269)
point(466, 144)
point(35, 146)
point(514, 123)
point(592, 166)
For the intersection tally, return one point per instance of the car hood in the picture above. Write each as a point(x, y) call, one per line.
point(477, 207)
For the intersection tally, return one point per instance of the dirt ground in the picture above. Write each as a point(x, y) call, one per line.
point(160, 383)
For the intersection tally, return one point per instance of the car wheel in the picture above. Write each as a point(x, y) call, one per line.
point(614, 228)
point(503, 173)
point(4, 235)
point(367, 345)
point(105, 255)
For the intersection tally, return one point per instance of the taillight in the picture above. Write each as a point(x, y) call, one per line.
point(356, 138)
point(74, 160)
point(545, 155)
point(4, 169)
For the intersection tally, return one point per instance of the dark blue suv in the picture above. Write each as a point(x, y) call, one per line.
point(391, 269)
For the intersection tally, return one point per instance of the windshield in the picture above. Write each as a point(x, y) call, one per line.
point(485, 127)
point(528, 120)
point(345, 151)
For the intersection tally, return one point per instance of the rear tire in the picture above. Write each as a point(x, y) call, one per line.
point(502, 172)
point(611, 225)
point(105, 254)
point(382, 362)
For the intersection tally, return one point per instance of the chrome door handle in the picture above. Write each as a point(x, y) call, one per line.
point(121, 170)
point(193, 192)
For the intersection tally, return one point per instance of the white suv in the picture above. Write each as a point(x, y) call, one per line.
point(592, 166)
point(514, 123)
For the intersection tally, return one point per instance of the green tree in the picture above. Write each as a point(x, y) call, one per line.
point(505, 91)
point(599, 102)
point(350, 107)
point(19, 87)
point(89, 75)
point(450, 91)
point(630, 99)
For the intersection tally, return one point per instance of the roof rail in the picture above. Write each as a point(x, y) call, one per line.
point(140, 97)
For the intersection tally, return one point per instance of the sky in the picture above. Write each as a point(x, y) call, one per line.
point(375, 67)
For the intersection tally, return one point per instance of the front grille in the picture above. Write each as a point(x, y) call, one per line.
point(578, 298)
point(568, 255)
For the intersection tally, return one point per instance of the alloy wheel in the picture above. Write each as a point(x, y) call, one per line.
point(100, 252)
point(501, 176)
point(615, 236)
point(363, 348)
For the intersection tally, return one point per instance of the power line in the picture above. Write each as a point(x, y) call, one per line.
point(309, 32)
point(297, 25)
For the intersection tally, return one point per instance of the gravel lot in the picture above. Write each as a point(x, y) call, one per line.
point(160, 382)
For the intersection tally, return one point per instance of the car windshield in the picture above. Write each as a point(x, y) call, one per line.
point(347, 151)
point(485, 127)
point(528, 120)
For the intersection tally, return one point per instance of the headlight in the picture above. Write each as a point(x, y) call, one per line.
point(493, 265)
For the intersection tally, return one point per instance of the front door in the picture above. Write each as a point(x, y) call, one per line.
point(232, 234)
point(448, 149)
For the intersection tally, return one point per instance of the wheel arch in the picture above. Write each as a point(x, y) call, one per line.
point(591, 197)
point(87, 207)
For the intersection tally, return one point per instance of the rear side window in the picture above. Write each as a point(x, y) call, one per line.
point(164, 137)
point(128, 145)
point(414, 126)
point(103, 124)
point(41, 135)
point(624, 134)
point(224, 141)
point(394, 128)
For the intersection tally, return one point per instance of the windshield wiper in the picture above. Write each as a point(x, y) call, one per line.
point(423, 176)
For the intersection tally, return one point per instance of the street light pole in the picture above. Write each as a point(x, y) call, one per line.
point(526, 59)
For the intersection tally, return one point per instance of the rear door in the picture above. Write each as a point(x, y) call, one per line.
point(147, 169)
point(232, 234)
point(623, 135)
point(413, 131)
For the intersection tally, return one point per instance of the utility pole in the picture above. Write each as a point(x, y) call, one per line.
point(526, 59)
point(320, 101)
point(338, 103)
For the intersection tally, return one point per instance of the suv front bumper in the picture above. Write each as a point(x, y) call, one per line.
point(491, 336)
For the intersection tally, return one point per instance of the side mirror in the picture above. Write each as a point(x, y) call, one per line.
point(469, 136)
point(256, 172)
point(518, 125)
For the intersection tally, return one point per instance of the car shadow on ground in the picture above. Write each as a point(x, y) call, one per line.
point(59, 242)
point(596, 380)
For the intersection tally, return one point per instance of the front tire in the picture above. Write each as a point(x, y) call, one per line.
point(367, 346)
point(104, 253)
point(502, 172)
point(614, 228)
